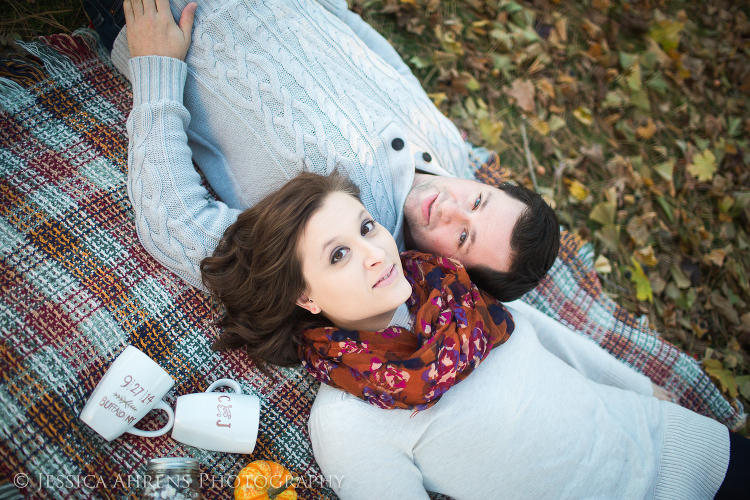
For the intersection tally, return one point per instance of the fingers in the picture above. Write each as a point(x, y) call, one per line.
point(127, 8)
point(186, 19)
point(149, 6)
point(163, 6)
point(137, 7)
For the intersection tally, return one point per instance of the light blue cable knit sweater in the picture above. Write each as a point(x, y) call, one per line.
point(273, 88)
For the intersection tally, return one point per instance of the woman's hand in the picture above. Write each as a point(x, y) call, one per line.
point(152, 30)
point(663, 394)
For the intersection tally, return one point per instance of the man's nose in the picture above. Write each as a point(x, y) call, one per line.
point(451, 212)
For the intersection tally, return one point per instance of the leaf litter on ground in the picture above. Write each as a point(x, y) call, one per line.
point(639, 133)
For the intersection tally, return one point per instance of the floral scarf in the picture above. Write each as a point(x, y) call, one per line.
point(455, 328)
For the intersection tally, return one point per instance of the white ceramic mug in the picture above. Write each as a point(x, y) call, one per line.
point(218, 421)
point(132, 386)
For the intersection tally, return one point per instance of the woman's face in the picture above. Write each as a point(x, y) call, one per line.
point(351, 265)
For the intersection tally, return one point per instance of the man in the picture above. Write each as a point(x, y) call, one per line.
point(271, 89)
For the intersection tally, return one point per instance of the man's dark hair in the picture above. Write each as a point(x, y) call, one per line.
point(534, 243)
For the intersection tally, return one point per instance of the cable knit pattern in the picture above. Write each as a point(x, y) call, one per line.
point(273, 88)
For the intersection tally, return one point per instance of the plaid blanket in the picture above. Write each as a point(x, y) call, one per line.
point(77, 287)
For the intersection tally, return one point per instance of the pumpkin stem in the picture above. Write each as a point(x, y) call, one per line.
point(274, 492)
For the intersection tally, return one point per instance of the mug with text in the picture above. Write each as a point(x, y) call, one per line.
point(132, 386)
point(218, 421)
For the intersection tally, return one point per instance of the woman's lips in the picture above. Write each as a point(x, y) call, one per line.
point(427, 208)
point(387, 277)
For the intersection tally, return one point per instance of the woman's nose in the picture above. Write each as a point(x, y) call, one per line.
point(374, 254)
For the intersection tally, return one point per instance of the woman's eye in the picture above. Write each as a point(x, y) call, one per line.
point(462, 238)
point(478, 202)
point(367, 226)
point(338, 254)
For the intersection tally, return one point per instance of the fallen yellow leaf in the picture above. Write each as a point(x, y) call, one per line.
point(438, 98)
point(716, 257)
point(556, 123)
point(561, 29)
point(603, 213)
point(634, 78)
point(646, 255)
point(612, 119)
point(577, 190)
point(583, 115)
point(667, 34)
point(491, 130)
point(546, 87)
point(648, 131)
point(541, 126)
point(715, 369)
point(642, 284)
point(703, 166)
point(602, 265)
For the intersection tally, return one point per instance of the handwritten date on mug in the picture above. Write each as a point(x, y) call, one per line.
point(137, 389)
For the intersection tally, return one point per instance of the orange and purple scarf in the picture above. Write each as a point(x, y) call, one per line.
point(455, 327)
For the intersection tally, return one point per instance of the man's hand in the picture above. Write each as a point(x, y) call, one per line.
point(152, 30)
point(663, 394)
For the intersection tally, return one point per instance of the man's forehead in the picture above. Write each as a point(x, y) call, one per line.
point(494, 228)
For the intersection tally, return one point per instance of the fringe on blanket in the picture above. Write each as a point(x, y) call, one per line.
point(48, 57)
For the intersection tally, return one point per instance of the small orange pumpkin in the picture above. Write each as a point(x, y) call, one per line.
point(265, 480)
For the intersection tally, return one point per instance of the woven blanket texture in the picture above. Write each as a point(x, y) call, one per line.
point(77, 287)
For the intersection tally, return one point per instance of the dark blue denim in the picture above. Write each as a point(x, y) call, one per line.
point(107, 18)
point(736, 484)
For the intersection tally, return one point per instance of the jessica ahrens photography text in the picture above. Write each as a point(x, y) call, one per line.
point(35, 483)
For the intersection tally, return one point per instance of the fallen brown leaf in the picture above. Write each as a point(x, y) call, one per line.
point(523, 92)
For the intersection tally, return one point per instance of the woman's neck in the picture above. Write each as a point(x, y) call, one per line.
point(371, 324)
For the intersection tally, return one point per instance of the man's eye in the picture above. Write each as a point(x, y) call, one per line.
point(478, 202)
point(367, 226)
point(462, 239)
point(339, 254)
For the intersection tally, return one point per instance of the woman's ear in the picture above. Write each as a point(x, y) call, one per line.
point(306, 302)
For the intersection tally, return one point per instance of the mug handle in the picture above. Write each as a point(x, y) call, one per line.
point(225, 382)
point(161, 405)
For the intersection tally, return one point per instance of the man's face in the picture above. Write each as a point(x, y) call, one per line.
point(465, 219)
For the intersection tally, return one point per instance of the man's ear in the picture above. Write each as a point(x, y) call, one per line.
point(307, 303)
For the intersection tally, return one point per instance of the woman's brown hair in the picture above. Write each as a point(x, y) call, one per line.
point(255, 273)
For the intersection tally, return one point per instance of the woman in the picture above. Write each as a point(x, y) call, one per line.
point(524, 424)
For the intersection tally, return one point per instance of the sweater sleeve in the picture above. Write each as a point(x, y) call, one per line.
point(582, 354)
point(175, 221)
point(371, 38)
